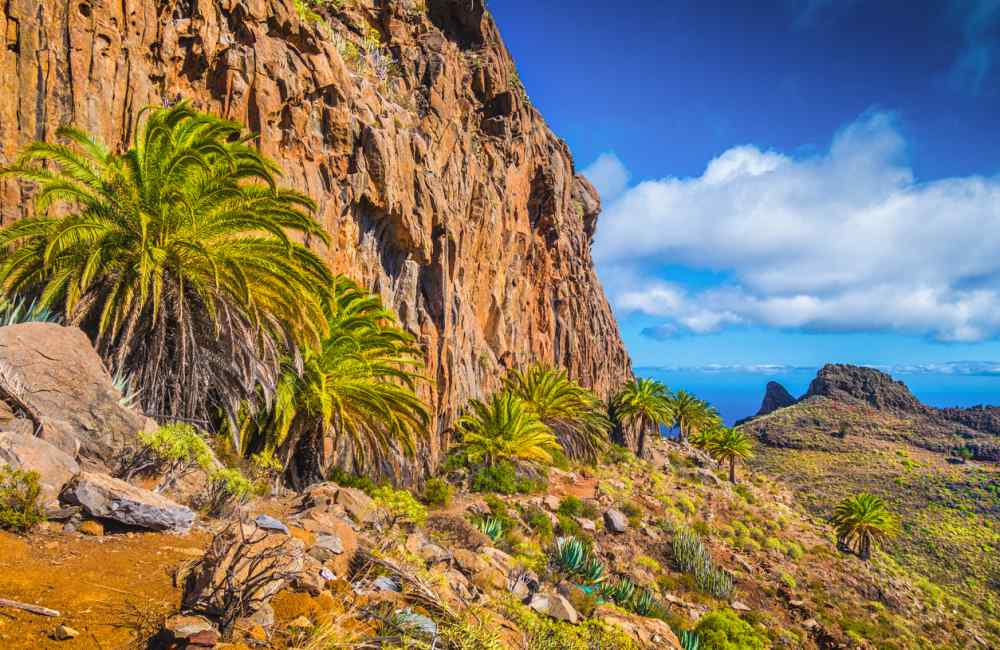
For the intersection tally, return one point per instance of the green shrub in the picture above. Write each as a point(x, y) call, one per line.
point(363, 483)
point(400, 505)
point(787, 579)
point(19, 507)
point(631, 510)
point(227, 489)
point(724, 630)
point(437, 492)
point(503, 478)
point(570, 506)
point(774, 544)
point(794, 550)
point(618, 455)
point(539, 521)
point(569, 526)
point(171, 451)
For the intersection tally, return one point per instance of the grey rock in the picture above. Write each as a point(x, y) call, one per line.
point(417, 623)
point(385, 583)
point(270, 523)
point(102, 496)
point(615, 521)
point(555, 606)
point(326, 547)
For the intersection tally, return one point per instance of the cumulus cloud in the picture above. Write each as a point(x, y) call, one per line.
point(609, 176)
point(847, 240)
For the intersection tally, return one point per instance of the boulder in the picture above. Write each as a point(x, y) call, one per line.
point(67, 389)
point(555, 606)
point(649, 632)
point(615, 521)
point(327, 546)
point(183, 631)
point(102, 496)
point(358, 505)
point(26, 451)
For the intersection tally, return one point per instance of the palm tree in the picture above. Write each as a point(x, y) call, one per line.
point(863, 521)
point(505, 428)
point(574, 414)
point(692, 414)
point(646, 402)
point(726, 445)
point(355, 391)
point(174, 255)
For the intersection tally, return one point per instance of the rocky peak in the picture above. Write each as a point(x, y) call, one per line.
point(843, 382)
point(776, 397)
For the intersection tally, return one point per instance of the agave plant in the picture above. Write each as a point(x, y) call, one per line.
point(122, 381)
point(592, 572)
point(491, 527)
point(571, 554)
point(689, 640)
point(19, 309)
point(619, 590)
point(644, 603)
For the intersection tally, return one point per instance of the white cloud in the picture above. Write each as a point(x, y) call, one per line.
point(846, 240)
point(608, 175)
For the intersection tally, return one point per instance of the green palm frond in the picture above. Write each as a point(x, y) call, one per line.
point(178, 256)
point(863, 522)
point(728, 445)
point(575, 414)
point(505, 428)
point(645, 402)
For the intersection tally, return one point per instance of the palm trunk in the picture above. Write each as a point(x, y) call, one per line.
point(732, 470)
point(642, 437)
point(865, 549)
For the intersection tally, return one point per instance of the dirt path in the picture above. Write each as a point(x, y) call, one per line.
point(104, 587)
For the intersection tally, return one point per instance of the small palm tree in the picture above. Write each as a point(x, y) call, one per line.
point(863, 521)
point(646, 402)
point(693, 415)
point(355, 390)
point(505, 428)
point(574, 414)
point(727, 445)
point(174, 255)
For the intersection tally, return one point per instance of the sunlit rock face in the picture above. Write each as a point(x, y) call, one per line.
point(441, 186)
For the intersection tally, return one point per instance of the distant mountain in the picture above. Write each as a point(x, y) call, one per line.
point(860, 430)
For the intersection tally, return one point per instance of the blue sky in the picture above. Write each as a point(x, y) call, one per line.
point(791, 182)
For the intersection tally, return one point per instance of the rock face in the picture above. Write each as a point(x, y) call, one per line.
point(776, 397)
point(63, 383)
point(109, 498)
point(27, 451)
point(442, 187)
point(844, 383)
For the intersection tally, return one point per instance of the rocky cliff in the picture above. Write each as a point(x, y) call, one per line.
point(440, 184)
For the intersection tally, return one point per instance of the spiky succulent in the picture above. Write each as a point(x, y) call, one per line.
point(689, 640)
point(619, 591)
point(492, 527)
point(571, 554)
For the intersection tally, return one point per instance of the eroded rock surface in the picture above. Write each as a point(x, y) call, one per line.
point(69, 394)
point(109, 498)
point(442, 188)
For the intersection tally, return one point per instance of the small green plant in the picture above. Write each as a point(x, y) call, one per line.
point(592, 572)
point(503, 478)
point(19, 507)
point(492, 527)
point(437, 492)
point(644, 603)
point(172, 452)
point(400, 505)
point(539, 522)
point(570, 506)
point(227, 489)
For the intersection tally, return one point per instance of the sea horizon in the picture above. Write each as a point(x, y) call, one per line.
point(737, 391)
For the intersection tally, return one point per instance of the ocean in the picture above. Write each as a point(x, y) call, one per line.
point(738, 393)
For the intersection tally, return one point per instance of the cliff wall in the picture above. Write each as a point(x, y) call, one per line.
point(440, 184)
